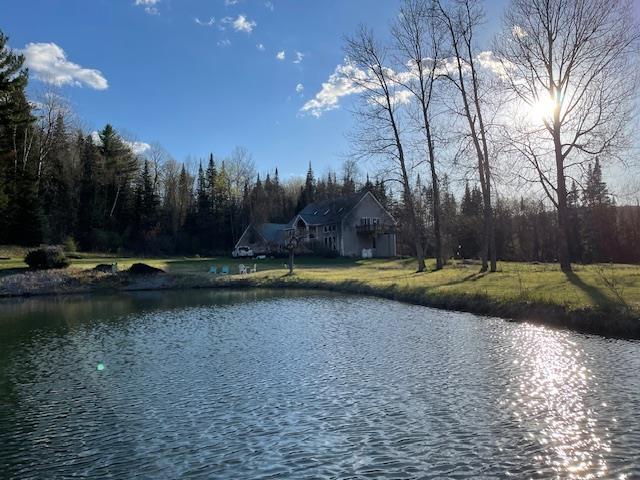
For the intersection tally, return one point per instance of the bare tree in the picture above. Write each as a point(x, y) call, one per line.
point(157, 157)
point(50, 108)
point(418, 42)
point(460, 19)
point(573, 63)
point(241, 170)
point(380, 131)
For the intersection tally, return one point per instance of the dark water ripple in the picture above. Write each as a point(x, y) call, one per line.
point(316, 386)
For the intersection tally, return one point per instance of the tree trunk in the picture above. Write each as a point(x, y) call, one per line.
point(115, 202)
point(563, 218)
point(291, 261)
point(436, 200)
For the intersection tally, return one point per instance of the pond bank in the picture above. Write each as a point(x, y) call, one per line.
point(610, 319)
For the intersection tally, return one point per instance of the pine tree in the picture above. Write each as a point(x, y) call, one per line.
point(21, 218)
point(598, 243)
point(88, 210)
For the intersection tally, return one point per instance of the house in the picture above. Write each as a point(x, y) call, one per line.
point(263, 238)
point(353, 226)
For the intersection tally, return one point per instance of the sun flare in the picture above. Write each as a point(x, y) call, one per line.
point(542, 109)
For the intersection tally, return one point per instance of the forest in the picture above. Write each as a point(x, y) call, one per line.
point(63, 185)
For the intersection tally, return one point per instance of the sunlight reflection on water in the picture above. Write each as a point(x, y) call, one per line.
point(551, 382)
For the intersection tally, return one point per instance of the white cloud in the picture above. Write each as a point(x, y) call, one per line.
point(48, 63)
point(299, 57)
point(229, 3)
point(280, 55)
point(260, 47)
point(138, 148)
point(149, 6)
point(339, 84)
point(210, 23)
point(242, 24)
point(299, 88)
point(518, 31)
point(269, 5)
point(225, 42)
point(492, 63)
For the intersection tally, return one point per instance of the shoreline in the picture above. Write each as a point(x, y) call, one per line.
point(615, 322)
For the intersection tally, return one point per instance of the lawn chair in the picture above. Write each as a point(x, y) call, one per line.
point(213, 269)
point(225, 270)
point(242, 269)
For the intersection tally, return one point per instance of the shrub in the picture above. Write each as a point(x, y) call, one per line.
point(70, 245)
point(318, 249)
point(144, 269)
point(45, 258)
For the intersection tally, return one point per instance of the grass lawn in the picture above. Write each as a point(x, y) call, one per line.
point(592, 286)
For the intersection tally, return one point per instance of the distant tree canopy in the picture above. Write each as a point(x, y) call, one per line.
point(59, 184)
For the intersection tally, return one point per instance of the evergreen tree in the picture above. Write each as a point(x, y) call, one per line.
point(308, 192)
point(598, 223)
point(20, 213)
point(88, 211)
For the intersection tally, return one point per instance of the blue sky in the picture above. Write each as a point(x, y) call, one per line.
point(206, 86)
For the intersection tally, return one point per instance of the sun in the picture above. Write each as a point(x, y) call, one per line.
point(542, 109)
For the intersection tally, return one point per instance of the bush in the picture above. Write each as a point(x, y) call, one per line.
point(70, 245)
point(318, 249)
point(144, 269)
point(45, 258)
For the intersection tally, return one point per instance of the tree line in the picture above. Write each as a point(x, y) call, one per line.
point(61, 184)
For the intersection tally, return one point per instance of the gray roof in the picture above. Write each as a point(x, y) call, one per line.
point(271, 232)
point(329, 211)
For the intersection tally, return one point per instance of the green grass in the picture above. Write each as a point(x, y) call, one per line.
point(588, 286)
point(515, 290)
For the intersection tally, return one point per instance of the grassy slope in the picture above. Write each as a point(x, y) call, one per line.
point(517, 290)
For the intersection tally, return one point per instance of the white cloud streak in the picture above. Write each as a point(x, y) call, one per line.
point(339, 84)
point(347, 80)
point(149, 6)
point(299, 57)
point(48, 63)
point(209, 23)
point(281, 55)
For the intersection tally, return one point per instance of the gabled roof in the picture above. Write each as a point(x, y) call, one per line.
point(271, 232)
point(329, 211)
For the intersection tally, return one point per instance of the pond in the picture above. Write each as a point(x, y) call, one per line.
point(265, 384)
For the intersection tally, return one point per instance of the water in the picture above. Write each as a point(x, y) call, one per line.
point(238, 385)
